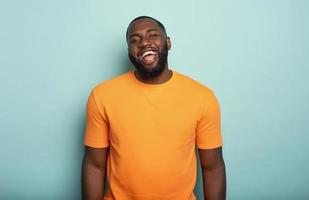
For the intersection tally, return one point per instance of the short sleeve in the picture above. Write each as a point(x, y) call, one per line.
point(97, 127)
point(208, 130)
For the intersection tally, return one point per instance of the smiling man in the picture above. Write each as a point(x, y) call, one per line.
point(142, 128)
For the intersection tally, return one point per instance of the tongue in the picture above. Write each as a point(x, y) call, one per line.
point(149, 59)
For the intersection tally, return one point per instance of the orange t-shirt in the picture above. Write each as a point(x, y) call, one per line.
point(151, 130)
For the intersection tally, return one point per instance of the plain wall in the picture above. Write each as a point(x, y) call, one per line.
point(253, 54)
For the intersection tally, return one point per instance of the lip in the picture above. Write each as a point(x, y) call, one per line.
point(156, 58)
point(147, 49)
point(151, 63)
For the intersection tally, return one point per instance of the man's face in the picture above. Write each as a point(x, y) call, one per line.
point(148, 47)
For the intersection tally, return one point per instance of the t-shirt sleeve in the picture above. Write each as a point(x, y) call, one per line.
point(208, 130)
point(97, 126)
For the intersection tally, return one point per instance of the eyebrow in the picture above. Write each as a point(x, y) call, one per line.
point(136, 34)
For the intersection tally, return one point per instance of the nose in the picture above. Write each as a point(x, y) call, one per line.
point(145, 41)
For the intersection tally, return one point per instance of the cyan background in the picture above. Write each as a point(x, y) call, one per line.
point(253, 54)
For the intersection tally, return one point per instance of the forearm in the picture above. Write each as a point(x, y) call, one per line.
point(214, 183)
point(92, 182)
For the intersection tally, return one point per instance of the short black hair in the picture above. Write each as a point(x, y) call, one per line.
point(146, 17)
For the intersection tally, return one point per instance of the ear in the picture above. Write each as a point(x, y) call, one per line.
point(168, 42)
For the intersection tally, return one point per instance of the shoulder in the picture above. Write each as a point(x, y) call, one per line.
point(192, 85)
point(117, 83)
point(203, 95)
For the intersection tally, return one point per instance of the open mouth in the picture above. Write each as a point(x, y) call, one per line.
point(149, 57)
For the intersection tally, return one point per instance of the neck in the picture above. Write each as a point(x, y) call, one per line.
point(161, 78)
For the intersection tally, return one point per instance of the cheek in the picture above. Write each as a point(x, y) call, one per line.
point(133, 51)
point(160, 44)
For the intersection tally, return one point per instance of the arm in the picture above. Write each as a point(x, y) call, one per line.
point(213, 171)
point(93, 173)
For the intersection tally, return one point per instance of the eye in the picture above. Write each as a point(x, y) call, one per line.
point(153, 35)
point(133, 40)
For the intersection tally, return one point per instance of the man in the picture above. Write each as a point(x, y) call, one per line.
point(142, 127)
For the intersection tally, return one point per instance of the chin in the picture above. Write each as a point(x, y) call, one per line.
point(149, 71)
point(150, 67)
point(152, 71)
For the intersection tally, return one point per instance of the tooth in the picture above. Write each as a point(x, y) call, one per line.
point(147, 53)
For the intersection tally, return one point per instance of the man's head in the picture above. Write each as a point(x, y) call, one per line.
point(148, 46)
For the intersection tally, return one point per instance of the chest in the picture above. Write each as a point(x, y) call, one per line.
point(156, 117)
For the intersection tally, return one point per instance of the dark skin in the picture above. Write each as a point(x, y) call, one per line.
point(213, 172)
point(143, 34)
point(146, 33)
point(93, 173)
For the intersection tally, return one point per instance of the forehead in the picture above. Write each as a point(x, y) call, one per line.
point(143, 25)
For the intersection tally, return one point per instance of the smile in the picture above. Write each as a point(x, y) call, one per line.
point(148, 57)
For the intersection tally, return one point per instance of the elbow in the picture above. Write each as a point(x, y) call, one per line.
point(217, 166)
